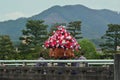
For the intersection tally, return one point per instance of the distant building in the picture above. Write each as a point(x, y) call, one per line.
point(99, 50)
point(118, 48)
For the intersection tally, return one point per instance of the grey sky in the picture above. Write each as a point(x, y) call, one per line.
point(13, 9)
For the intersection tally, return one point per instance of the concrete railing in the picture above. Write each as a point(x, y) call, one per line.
point(56, 73)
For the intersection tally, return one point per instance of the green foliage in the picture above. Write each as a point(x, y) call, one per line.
point(88, 48)
point(35, 32)
point(7, 50)
point(75, 29)
point(111, 38)
point(33, 37)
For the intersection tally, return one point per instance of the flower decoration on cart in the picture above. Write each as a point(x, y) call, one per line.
point(61, 43)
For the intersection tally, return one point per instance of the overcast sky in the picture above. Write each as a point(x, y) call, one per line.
point(13, 9)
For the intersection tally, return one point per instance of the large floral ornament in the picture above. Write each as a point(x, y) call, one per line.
point(61, 39)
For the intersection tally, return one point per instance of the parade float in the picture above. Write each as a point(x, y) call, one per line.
point(61, 44)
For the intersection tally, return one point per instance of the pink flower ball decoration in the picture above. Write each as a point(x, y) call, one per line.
point(61, 38)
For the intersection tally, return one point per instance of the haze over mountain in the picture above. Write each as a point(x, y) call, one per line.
point(94, 22)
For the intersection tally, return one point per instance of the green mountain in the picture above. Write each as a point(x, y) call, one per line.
point(94, 22)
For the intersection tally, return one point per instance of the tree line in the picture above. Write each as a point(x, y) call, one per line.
point(36, 32)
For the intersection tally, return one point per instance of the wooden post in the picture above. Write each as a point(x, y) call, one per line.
point(117, 67)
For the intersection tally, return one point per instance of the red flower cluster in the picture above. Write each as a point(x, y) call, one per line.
point(61, 39)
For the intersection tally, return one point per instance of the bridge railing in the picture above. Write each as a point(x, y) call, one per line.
point(33, 62)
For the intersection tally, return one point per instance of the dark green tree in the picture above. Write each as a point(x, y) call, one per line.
point(33, 37)
point(111, 38)
point(7, 50)
point(35, 32)
point(75, 29)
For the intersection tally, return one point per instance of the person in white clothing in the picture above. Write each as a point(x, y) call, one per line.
point(41, 63)
point(82, 57)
